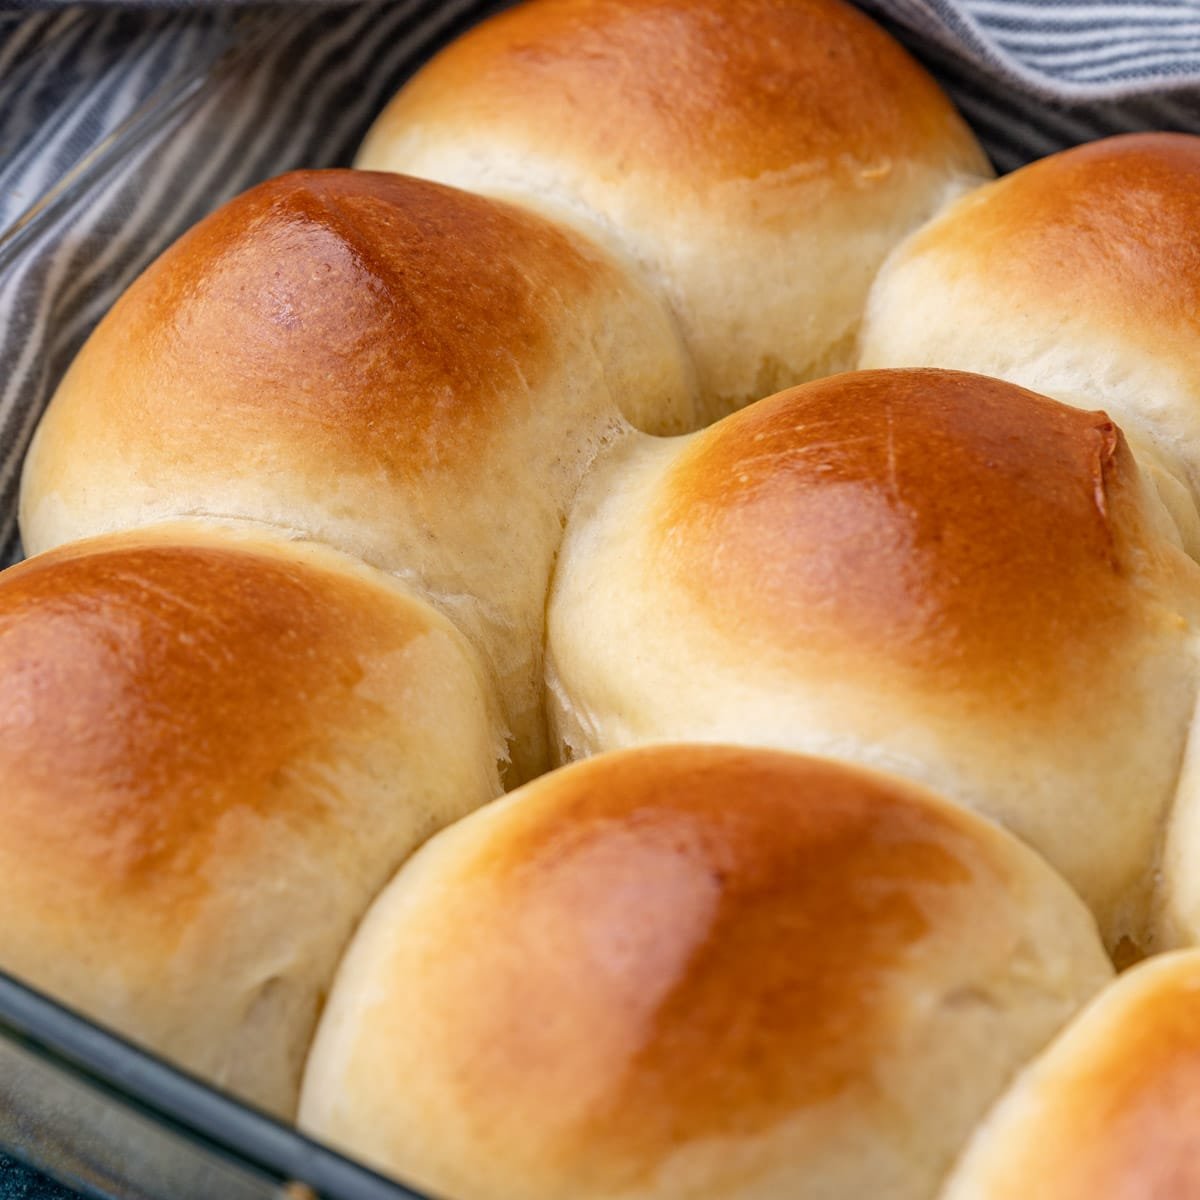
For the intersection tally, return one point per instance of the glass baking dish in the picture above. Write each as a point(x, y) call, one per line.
point(109, 1119)
point(79, 1102)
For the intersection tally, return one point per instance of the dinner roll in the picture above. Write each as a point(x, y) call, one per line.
point(1078, 276)
point(756, 158)
point(1111, 1110)
point(409, 373)
point(928, 571)
point(216, 747)
point(691, 973)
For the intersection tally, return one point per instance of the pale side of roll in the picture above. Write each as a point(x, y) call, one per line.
point(756, 159)
point(931, 572)
point(1177, 899)
point(216, 747)
point(411, 374)
point(1110, 1111)
point(1077, 276)
point(696, 973)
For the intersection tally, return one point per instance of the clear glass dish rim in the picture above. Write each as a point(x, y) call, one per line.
point(181, 1103)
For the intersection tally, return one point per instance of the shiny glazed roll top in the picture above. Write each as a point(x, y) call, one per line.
point(756, 158)
point(933, 572)
point(215, 748)
point(411, 374)
point(1110, 1110)
point(1078, 276)
point(696, 973)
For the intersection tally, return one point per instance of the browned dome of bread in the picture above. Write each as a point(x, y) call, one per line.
point(701, 972)
point(412, 374)
point(1078, 275)
point(930, 571)
point(945, 522)
point(758, 158)
point(1110, 1111)
point(216, 746)
point(719, 90)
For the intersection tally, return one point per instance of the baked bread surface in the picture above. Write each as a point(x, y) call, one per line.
point(409, 373)
point(756, 159)
point(927, 571)
point(216, 748)
point(696, 971)
point(1077, 276)
point(1110, 1110)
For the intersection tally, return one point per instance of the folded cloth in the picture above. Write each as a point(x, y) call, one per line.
point(1036, 76)
point(1065, 50)
point(172, 108)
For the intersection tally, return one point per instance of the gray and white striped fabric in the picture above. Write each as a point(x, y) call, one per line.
point(123, 125)
point(1036, 76)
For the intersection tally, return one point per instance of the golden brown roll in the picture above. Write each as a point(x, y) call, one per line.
point(215, 748)
point(409, 373)
point(1077, 276)
point(1110, 1110)
point(932, 572)
point(696, 973)
point(756, 158)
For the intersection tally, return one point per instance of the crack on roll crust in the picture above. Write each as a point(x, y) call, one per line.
point(1105, 466)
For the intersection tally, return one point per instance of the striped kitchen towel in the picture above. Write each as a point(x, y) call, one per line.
point(122, 124)
point(1035, 76)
